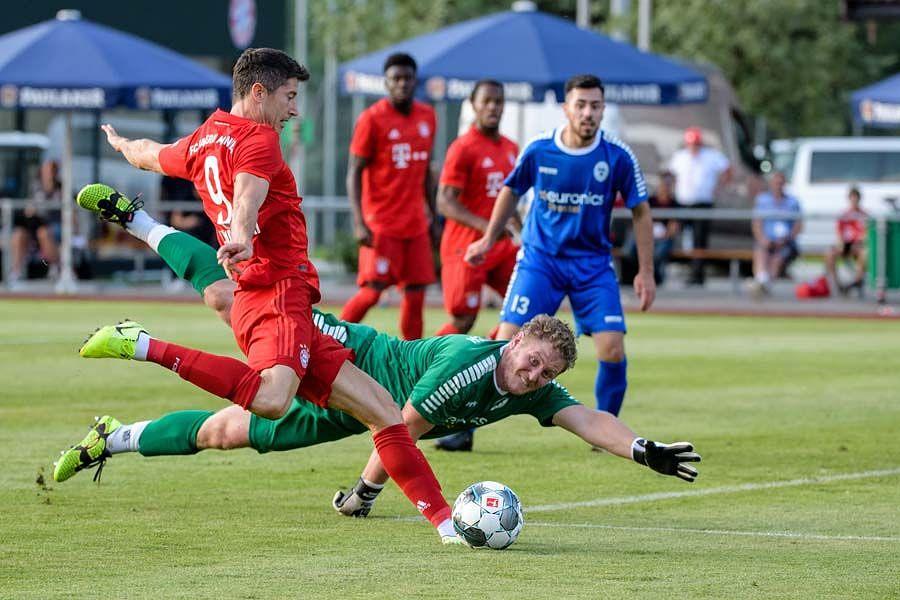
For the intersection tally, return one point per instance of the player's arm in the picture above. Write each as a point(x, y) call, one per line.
point(449, 205)
point(503, 210)
point(604, 430)
point(142, 153)
point(249, 194)
point(644, 284)
point(359, 500)
point(355, 167)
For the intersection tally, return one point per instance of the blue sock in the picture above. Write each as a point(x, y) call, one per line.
point(610, 386)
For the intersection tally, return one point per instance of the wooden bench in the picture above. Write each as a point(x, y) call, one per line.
point(734, 256)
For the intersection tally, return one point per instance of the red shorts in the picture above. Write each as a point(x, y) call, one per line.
point(461, 282)
point(396, 261)
point(273, 326)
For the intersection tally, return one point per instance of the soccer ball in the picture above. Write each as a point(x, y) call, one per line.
point(488, 514)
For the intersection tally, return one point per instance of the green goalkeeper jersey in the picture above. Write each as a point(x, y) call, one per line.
point(449, 380)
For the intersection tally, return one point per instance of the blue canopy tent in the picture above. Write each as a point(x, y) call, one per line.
point(530, 52)
point(72, 64)
point(878, 105)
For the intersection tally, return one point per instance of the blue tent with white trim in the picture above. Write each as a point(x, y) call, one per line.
point(878, 105)
point(71, 63)
point(530, 52)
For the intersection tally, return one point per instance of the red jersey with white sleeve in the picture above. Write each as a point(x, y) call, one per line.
point(851, 226)
point(211, 157)
point(398, 149)
point(477, 164)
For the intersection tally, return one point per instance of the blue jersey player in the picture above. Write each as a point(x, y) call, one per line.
point(576, 172)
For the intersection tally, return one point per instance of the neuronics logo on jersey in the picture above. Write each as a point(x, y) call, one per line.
point(554, 197)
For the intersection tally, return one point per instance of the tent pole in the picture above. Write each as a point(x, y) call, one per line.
point(66, 283)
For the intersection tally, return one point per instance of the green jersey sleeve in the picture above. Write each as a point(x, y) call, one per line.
point(355, 336)
point(547, 401)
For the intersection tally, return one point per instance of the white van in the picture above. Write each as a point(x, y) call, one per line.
point(820, 171)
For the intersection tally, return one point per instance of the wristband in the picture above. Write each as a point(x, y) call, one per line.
point(638, 452)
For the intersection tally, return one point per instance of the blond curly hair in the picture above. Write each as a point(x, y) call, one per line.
point(557, 332)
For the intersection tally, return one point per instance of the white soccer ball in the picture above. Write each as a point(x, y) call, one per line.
point(488, 514)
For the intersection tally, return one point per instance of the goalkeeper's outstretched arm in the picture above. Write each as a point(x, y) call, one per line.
point(605, 431)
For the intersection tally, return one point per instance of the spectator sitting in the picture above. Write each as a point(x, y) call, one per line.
point(775, 237)
point(193, 222)
point(665, 230)
point(851, 230)
point(34, 226)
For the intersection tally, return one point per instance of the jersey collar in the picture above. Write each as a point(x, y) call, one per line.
point(557, 139)
point(494, 374)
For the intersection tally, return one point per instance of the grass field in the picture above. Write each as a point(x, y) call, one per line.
point(799, 494)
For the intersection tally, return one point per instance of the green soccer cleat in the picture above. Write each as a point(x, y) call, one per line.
point(89, 452)
point(107, 203)
point(113, 341)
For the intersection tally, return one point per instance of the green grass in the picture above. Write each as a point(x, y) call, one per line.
point(763, 400)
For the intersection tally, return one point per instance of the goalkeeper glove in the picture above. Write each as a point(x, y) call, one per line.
point(667, 459)
point(358, 501)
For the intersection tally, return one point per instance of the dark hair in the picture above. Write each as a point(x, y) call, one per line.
point(854, 191)
point(483, 82)
point(267, 66)
point(584, 82)
point(400, 59)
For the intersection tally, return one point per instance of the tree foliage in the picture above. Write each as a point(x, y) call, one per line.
point(792, 61)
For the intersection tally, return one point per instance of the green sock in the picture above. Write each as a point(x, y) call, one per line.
point(174, 433)
point(191, 259)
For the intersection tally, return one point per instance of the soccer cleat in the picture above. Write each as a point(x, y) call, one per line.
point(456, 442)
point(107, 203)
point(113, 341)
point(89, 452)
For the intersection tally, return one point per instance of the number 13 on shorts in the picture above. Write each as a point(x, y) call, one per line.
point(519, 304)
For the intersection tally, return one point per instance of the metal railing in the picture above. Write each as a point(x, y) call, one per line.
point(328, 219)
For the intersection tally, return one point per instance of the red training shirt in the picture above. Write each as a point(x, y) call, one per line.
point(398, 150)
point(211, 157)
point(478, 165)
point(851, 226)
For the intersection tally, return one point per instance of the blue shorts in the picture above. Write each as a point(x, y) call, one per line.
point(540, 281)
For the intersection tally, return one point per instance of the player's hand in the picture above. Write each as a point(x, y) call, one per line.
point(363, 234)
point(232, 253)
point(115, 140)
point(645, 288)
point(668, 459)
point(357, 502)
point(477, 251)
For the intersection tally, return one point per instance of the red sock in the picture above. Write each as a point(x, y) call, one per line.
point(408, 468)
point(447, 329)
point(492, 335)
point(222, 376)
point(411, 313)
point(359, 305)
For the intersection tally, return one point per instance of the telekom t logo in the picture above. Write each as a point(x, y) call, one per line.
point(494, 183)
point(401, 155)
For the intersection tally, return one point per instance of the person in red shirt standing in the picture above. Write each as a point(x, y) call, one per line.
point(248, 191)
point(476, 166)
point(851, 231)
point(391, 191)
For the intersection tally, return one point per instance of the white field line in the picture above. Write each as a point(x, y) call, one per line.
point(728, 489)
point(724, 532)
